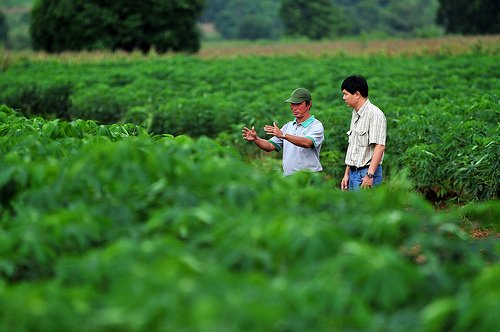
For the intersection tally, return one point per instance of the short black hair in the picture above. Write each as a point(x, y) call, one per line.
point(355, 83)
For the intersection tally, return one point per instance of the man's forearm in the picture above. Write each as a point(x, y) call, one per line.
point(377, 158)
point(264, 144)
point(347, 170)
point(303, 142)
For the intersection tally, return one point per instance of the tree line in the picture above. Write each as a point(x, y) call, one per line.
point(320, 19)
point(171, 25)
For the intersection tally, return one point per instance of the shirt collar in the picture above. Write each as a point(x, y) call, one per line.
point(363, 108)
point(306, 123)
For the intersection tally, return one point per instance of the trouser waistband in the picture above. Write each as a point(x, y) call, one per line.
point(354, 168)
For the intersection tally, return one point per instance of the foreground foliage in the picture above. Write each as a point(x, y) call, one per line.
point(119, 230)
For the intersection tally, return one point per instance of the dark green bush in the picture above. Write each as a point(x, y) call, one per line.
point(192, 117)
point(139, 116)
point(34, 100)
point(103, 108)
point(56, 100)
point(27, 99)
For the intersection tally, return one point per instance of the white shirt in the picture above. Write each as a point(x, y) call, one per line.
point(296, 158)
point(368, 127)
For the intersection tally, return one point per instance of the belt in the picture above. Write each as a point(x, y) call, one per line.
point(354, 168)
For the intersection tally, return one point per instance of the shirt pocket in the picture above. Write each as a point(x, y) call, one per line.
point(362, 137)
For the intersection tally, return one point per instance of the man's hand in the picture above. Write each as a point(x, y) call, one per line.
point(273, 130)
point(367, 183)
point(344, 184)
point(249, 134)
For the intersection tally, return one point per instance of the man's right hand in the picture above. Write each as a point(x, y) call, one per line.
point(344, 184)
point(249, 134)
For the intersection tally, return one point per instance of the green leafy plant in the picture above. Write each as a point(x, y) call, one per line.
point(110, 228)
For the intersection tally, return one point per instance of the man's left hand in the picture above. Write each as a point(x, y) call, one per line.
point(273, 130)
point(367, 182)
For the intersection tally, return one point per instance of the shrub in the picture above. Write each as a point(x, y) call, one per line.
point(139, 116)
point(33, 100)
point(106, 109)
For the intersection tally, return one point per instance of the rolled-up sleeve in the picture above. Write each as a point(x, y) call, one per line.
point(378, 128)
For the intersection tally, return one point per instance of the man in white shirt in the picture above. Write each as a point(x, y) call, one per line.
point(367, 135)
point(300, 139)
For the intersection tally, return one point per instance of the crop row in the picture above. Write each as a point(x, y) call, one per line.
point(442, 110)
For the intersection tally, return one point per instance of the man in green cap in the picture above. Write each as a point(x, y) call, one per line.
point(300, 139)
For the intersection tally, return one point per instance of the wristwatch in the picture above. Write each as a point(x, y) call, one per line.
point(369, 175)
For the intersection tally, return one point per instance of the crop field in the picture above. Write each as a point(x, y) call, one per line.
point(129, 201)
point(359, 46)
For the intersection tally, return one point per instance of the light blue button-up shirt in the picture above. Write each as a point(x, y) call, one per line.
point(296, 158)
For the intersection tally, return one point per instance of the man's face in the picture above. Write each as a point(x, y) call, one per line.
point(350, 99)
point(300, 109)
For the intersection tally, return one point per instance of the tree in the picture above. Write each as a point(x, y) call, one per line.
point(255, 27)
point(4, 29)
point(244, 19)
point(408, 16)
point(315, 19)
point(329, 17)
point(212, 8)
point(470, 16)
point(60, 25)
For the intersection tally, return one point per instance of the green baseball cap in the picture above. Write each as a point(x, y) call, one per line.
point(299, 95)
